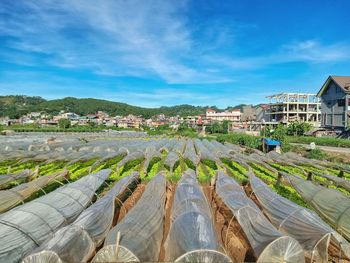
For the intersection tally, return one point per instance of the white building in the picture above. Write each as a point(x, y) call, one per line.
point(290, 107)
point(213, 115)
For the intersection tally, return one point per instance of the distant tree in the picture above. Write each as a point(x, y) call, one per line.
point(92, 124)
point(64, 123)
point(298, 128)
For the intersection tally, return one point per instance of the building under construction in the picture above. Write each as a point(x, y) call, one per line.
point(290, 107)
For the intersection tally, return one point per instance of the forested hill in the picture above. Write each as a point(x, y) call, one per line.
point(15, 106)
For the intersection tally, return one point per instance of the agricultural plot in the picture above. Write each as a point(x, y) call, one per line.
point(132, 198)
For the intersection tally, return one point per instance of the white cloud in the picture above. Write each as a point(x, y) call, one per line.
point(118, 38)
point(310, 51)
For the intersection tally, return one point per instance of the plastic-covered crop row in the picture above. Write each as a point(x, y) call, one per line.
point(204, 153)
point(312, 233)
point(179, 146)
point(131, 157)
point(8, 178)
point(150, 153)
point(171, 159)
point(269, 245)
point(216, 149)
point(338, 181)
point(298, 159)
point(233, 147)
point(190, 153)
point(77, 242)
point(192, 236)
point(138, 236)
point(168, 146)
point(26, 227)
point(224, 148)
point(16, 195)
point(329, 203)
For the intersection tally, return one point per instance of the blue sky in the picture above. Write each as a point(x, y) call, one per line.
point(159, 52)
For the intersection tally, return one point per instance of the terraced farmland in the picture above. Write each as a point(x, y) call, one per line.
point(132, 198)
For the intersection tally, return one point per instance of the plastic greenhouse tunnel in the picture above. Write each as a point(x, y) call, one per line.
point(77, 242)
point(17, 195)
point(332, 205)
point(138, 236)
point(170, 160)
point(269, 245)
point(8, 178)
point(26, 227)
point(312, 233)
point(192, 236)
point(190, 153)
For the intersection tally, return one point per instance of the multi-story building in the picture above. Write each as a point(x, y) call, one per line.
point(335, 102)
point(290, 107)
point(233, 115)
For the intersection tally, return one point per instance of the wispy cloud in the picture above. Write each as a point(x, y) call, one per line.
point(118, 38)
point(310, 51)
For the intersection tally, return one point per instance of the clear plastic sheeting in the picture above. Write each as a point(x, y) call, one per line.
point(190, 153)
point(329, 203)
point(78, 241)
point(141, 230)
point(26, 227)
point(69, 244)
point(131, 157)
point(7, 178)
point(171, 159)
point(150, 153)
point(16, 195)
point(98, 218)
point(269, 245)
point(216, 149)
point(304, 225)
point(338, 181)
point(192, 236)
point(204, 153)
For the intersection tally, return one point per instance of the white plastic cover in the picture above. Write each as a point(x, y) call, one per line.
point(26, 227)
point(77, 242)
point(141, 230)
point(312, 233)
point(269, 245)
point(329, 203)
point(192, 236)
point(16, 195)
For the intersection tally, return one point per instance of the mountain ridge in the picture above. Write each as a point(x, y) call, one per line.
point(15, 106)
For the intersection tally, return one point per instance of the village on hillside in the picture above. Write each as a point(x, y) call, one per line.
point(326, 111)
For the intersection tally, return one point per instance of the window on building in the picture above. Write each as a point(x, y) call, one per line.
point(341, 102)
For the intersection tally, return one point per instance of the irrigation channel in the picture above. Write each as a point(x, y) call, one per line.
point(127, 197)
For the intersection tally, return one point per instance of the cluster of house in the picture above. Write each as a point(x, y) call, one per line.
point(100, 118)
point(329, 108)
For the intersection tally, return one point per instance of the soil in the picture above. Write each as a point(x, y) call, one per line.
point(129, 203)
point(229, 232)
point(170, 193)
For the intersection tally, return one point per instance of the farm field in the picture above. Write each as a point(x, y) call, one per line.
point(128, 197)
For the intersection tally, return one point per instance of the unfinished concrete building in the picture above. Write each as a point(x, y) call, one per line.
point(290, 107)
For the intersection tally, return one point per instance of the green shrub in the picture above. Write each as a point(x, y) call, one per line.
point(241, 139)
point(316, 154)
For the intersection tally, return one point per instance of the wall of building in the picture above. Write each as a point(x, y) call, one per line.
point(333, 106)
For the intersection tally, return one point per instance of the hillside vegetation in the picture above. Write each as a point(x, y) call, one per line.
point(15, 106)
